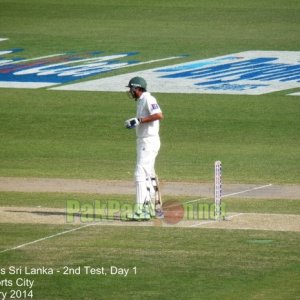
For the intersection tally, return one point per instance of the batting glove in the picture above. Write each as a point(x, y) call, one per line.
point(131, 123)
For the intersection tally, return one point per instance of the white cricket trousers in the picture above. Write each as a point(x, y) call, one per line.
point(147, 150)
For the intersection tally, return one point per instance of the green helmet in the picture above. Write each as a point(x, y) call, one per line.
point(137, 82)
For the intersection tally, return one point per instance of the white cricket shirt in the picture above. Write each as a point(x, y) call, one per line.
point(146, 106)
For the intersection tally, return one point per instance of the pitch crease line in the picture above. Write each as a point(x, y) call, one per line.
point(233, 194)
point(214, 221)
point(236, 215)
point(249, 190)
point(88, 225)
point(46, 238)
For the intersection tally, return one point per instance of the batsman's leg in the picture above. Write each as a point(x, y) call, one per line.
point(140, 213)
point(157, 200)
point(146, 181)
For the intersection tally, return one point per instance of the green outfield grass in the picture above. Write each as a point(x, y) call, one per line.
point(156, 28)
point(81, 135)
point(170, 263)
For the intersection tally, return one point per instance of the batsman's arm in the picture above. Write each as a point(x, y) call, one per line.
point(151, 118)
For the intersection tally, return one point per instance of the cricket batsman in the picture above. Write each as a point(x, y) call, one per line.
point(146, 123)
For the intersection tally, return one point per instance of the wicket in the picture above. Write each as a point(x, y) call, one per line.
point(218, 190)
